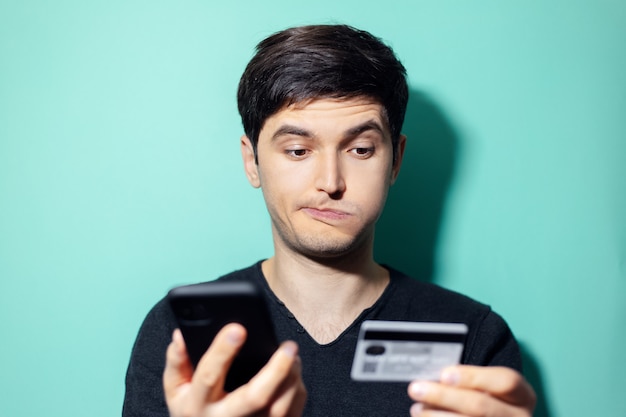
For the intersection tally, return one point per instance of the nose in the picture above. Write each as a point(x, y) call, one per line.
point(329, 176)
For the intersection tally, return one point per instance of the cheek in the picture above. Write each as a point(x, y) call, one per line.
point(370, 190)
point(284, 181)
point(279, 187)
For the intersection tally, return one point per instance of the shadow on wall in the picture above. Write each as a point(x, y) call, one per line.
point(408, 231)
point(533, 375)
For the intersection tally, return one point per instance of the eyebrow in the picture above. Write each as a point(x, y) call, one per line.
point(364, 127)
point(291, 130)
point(350, 133)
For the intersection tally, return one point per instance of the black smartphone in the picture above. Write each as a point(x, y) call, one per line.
point(203, 309)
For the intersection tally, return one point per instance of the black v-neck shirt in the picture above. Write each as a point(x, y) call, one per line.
point(326, 368)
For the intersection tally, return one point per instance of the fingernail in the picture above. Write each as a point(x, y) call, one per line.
point(179, 342)
point(417, 390)
point(290, 349)
point(416, 409)
point(235, 337)
point(450, 376)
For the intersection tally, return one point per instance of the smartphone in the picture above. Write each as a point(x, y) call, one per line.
point(201, 310)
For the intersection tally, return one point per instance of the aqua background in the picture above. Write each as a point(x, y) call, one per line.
point(120, 176)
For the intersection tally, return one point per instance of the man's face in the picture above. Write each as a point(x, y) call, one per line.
point(325, 168)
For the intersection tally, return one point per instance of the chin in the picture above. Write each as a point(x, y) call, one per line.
point(324, 248)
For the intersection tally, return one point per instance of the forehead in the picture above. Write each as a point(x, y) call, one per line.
point(328, 113)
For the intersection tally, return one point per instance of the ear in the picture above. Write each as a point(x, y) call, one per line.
point(395, 170)
point(249, 162)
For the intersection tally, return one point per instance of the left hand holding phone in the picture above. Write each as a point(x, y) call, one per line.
point(276, 390)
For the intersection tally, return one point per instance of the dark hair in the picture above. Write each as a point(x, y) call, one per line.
point(321, 61)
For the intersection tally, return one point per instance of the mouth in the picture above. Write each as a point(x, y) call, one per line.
point(326, 214)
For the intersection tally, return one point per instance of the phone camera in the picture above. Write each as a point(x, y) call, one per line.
point(199, 312)
point(193, 312)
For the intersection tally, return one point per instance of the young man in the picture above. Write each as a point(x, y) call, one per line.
point(322, 108)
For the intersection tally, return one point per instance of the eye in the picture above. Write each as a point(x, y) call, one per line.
point(298, 153)
point(362, 152)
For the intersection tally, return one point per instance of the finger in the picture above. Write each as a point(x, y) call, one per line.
point(418, 410)
point(259, 392)
point(425, 412)
point(298, 402)
point(504, 383)
point(291, 396)
point(178, 368)
point(467, 402)
point(266, 383)
point(207, 384)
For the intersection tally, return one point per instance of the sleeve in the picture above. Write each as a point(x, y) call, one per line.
point(144, 387)
point(493, 344)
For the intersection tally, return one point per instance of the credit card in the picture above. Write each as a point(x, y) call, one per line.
point(402, 351)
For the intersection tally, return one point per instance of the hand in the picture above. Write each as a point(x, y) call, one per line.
point(276, 391)
point(474, 391)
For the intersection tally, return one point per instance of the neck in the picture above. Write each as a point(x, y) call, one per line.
point(326, 295)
